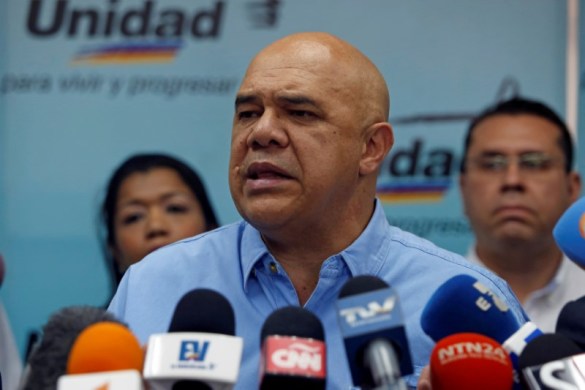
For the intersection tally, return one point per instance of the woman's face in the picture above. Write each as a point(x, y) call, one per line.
point(153, 209)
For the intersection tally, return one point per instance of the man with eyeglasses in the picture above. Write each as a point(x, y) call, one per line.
point(516, 180)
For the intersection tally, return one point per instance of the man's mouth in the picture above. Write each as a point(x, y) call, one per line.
point(264, 170)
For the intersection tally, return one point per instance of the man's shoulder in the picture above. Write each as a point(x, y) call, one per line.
point(220, 243)
point(424, 250)
point(424, 257)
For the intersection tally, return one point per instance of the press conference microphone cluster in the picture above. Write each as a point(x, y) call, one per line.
point(372, 327)
point(200, 350)
point(293, 354)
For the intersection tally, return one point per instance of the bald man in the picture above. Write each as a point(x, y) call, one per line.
point(309, 135)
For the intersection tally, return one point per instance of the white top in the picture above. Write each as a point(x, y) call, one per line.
point(10, 363)
point(544, 305)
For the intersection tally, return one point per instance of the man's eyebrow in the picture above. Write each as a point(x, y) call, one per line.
point(243, 99)
point(296, 100)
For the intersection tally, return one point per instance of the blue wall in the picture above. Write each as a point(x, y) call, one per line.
point(60, 140)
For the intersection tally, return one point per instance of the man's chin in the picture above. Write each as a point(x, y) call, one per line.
point(516, 235)
point(267, 217)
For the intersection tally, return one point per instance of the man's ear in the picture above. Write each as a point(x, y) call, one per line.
point(574, 184)
point(378, 141)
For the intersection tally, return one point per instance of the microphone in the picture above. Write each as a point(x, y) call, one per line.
point(571, 322)
point(464, 305)
point(292, 351)
point(372, 326)
point(470, 361)
point(548, 363)
point(105, 355)
point(48, 359)
point(569, 232)
point(200, 351)
point(461, 305)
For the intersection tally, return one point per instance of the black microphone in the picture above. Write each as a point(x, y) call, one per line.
point(48, 359)
point(200, 352)
point(548, 362)
point(373, 331)
point(571, 322)
point(293, 351)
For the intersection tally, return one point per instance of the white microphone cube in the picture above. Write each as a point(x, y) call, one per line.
point(206, 357)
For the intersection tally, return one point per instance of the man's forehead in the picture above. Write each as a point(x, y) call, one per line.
point(511, 130)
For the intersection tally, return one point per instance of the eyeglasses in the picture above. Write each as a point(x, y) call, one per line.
point(530, 162)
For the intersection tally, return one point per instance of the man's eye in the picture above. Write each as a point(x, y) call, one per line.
point(247, 114)
point(493, 164)
point(302, 113)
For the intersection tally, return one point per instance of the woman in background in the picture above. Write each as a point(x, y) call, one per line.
point(152, 200)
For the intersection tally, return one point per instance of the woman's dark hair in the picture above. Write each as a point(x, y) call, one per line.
point(144, 163)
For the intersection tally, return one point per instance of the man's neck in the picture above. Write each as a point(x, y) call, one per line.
point(302, 261)
point(525, 270)
point(302, 251)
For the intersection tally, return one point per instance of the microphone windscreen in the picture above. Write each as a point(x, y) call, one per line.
point(105, 346)
point(293, 321)
point(470, 361)
point(48, 359)
point(464, 305)
point(571, 322)
point(569, 232)
point(203, 310)
point(547, 348)
point(362, 284)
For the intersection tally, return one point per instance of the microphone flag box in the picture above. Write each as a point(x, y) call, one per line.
point(111, 380)
point(516, 343)
point(295, 356)
point(207, 357)
point(369, 316)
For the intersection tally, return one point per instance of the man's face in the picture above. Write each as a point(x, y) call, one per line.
point(515, 186)
point(296, 141)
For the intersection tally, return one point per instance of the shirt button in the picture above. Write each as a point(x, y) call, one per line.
point(273, 268)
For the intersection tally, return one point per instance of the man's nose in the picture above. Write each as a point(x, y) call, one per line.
point(269, 130)
point(512, 176)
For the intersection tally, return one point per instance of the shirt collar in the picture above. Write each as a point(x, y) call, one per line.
point(365, 255)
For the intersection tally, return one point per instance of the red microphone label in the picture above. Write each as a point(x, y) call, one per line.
point(289, 355)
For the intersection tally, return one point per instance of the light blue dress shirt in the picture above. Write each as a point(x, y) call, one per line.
point(234, 261)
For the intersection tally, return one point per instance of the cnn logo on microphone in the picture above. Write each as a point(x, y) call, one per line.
point(294, 356)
